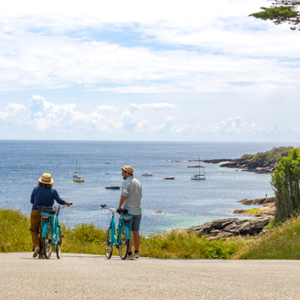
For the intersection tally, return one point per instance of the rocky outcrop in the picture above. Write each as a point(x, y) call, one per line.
point(224, 228)
point(258, 201)
point(268, 209)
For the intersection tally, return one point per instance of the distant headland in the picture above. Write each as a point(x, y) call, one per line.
point(261, 163)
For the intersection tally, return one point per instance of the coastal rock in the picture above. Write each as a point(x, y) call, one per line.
point(245, 228)
point(268, 209)
point(258, 225)
point(215, 232)
point(240, 212)
point(232, 228)
point(194, 228)
point(224, 234)
point(259, 201)
point(241, 221)
point(229, 227)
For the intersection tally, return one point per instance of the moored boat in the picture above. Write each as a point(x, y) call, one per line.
point(75, 174)
point(113, 187)
point(169, 178)
point(147, 174)
point(200, 176)
point(107, 162)
point(78, 179)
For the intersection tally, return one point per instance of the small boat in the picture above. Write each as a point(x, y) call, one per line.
point(147, 174)
point(107, 162)
point(107, 173)
point(169, 178)
point(113, 187)
point(78, 179)
point(200, 176)
point(75, 174)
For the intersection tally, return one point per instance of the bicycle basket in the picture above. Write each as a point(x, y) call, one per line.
point(46, 209)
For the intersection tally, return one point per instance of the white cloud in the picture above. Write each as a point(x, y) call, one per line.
point(236, 126)
point(45, 47)
point(13, 114)
point(106, 107)
point(155, 106)
point(47, 116)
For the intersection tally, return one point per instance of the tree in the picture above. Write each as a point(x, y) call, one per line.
point(281, 11)
point(285, 182)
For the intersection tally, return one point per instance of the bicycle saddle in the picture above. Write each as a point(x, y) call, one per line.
point(122, 211)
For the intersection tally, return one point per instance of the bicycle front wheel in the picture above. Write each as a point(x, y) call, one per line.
point(123, 243)
point(47, 243)
point(58, 246)
point(108, 245)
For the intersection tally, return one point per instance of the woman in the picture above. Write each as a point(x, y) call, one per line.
point(42, 195)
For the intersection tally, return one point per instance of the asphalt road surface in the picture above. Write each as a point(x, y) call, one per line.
point(77, 276)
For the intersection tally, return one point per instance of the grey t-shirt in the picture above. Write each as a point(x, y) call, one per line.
point(132, 190)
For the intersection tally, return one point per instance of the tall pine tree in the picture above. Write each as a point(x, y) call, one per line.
point(281, 11)
point(285, 182)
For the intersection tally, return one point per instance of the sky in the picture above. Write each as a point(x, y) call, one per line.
point(147, 70)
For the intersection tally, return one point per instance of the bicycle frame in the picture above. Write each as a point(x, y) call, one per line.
point(51, 221)
point(115, 239)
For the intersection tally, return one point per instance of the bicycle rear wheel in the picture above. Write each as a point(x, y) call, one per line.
point(108, 246)
point(123, 243)
point(47, 243)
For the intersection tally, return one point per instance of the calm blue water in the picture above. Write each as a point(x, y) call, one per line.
point(185, 202)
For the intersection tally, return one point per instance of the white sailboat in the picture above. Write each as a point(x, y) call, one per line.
point(75, 174)
point(147, 174)
point(200, 176)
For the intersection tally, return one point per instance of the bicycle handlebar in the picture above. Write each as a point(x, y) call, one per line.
point(120, 211)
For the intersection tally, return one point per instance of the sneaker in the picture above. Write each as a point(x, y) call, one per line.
point(130, 257)
point(36, 251)
point(41, 256)
point(136, 255)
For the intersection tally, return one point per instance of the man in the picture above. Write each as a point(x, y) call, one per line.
point(131, 199)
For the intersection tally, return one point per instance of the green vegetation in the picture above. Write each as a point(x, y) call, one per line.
point(253, 211)
point(281, 11)
point(14, 231)
point(262, 159)
point(282, 242)
point(285, 182)
point(89, 239)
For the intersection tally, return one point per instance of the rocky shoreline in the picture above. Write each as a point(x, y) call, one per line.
point(224, 228)
point(243, 164)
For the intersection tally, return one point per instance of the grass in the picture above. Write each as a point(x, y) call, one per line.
point(14, 231)
point(282, 242)
point(90, 239)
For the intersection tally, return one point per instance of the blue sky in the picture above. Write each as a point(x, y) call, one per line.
point(147, 70)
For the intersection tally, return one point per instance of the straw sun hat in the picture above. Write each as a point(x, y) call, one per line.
point(46, 179)
point(128, 169)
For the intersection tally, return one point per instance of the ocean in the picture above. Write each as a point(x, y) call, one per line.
point(183, 202)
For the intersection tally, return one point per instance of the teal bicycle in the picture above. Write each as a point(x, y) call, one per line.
point(51, 231)
point(120, 237)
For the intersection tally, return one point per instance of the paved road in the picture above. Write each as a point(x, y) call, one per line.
point(77, 276)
